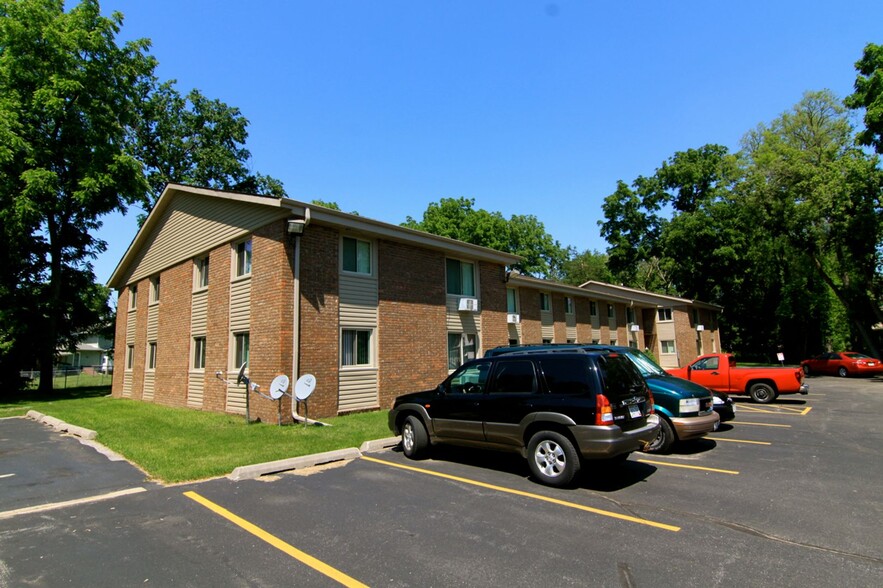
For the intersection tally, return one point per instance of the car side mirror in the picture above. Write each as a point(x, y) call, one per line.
point(441, 390)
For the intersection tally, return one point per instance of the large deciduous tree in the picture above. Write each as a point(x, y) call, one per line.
point(868, 95)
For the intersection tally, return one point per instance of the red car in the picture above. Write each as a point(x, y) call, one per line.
point(843, 364)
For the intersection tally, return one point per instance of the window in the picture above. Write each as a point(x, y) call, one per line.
point(545, 301)
point(130, 356)
point(664, 314)
point(514, 377)
point(667, 346)
point(593, 308)
point(199, 353)
point(630, 315)
point(568, 305)
point(470, 380)
point(243, 258)
point(614, 342)
point(154, 289)
point(133, 296)
point(355, 347)
point(566, 376)
point(512, 300)
point(356, 256)
point(461, 348)
point(611, 311)
point(461, 277)
point(240, 349)
point(151, 355)
point(696, 320)
point(200, 267)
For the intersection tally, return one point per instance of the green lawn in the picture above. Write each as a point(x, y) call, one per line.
point(179, 445)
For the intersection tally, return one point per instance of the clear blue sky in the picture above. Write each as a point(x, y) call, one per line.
point(529, 107)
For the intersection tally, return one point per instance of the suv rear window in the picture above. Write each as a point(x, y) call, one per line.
point(621, 378)
point(566, 375)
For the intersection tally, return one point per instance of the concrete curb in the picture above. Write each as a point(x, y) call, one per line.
point(251, 472)
point(62, 426)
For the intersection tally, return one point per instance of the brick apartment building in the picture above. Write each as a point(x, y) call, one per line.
point(215, 279)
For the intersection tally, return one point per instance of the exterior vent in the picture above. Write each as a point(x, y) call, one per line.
point(513, 319)
point(468, 305)
point(700, 327)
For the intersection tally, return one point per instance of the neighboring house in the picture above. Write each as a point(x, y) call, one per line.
point(214, 280)
point(94, 353)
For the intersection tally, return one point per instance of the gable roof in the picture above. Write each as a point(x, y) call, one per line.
point(189, 221)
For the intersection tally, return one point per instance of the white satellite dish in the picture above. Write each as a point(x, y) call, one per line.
point(278, 386)
point(304, 386)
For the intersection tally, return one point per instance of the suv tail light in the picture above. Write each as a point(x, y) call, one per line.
point(603, 411)
point(650, 402)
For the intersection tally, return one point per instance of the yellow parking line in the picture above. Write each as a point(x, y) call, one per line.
point(784, 410)
point(688, 467)
point(598, 511)
point(279, 544)
point(763, 424)
point(740, 441)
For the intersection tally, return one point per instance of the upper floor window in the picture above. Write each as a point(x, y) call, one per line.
point(630, 315)
point(545, 301)
point(664, 314)
point(512, 300)
point(154, 289)
point(593, 308)
point(200, 276)
point(243, 258)
point(568, 305)
point(133, 296)
point(460, 277)
point(356, 256)
point(611, 311)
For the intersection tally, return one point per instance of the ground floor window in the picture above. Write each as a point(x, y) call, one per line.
point(355, 347)
point(240, 349)
point(130, 356)
point(199, 353)
point(461, 348)
point(151, 355)
point(667, 346)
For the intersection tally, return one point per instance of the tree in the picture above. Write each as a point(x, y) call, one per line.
point(869, 95)
point(522, 235)
point(195, 140)
point(66, 108)
point(586, 266)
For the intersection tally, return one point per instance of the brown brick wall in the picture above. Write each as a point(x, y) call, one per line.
point(531, 328)
point(494, 329)
point(412, 331)
point(319, 317)
point(173, 337)
point(140, 356)
point(217, 331)
point(583, 320)
point(119, 345)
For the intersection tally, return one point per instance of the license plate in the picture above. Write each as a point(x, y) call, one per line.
point(635, 411)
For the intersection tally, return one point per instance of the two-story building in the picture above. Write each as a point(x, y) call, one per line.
point(214, 280)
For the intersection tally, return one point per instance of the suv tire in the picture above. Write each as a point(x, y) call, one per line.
point(552, 458)
point(415, 441)
point(664, 439)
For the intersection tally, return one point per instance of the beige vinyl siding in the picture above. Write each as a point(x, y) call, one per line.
point(240, 321)
point(665, 331)
point(127, 385)
point(515, 331)
point(547, 325)
point(198, 326)
point(149, 381)
point(462, 322)
point(358, 385)
point(152, 332)
point(130, 340)
point(358, 389)
point(196, 224)
point(571, 333)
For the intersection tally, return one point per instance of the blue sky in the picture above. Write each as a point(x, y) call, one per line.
point(529, 107)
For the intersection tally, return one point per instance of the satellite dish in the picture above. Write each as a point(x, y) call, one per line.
point(242, 377)
point(304, 386)
point(278, 386)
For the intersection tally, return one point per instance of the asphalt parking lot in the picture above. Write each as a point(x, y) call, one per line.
point(787, 494)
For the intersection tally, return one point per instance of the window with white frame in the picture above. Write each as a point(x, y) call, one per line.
point(512, 300)
point(664, 314)
point(243, 258)
point(154, 289)
point(568, 305)
point(545, 301)
point(356, 256)
point(355, 347)
point(240, 349)
point(200, 273)
point(198, 353)
point(668, 346)
point(460, 277)
point(130, 357)
point(151, 355)
point(461, 348)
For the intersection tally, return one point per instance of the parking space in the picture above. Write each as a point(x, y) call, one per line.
point(783, 495)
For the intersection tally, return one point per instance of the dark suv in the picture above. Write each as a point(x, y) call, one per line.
point(556, 408)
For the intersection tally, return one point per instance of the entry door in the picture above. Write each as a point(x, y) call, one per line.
point(457, 412)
